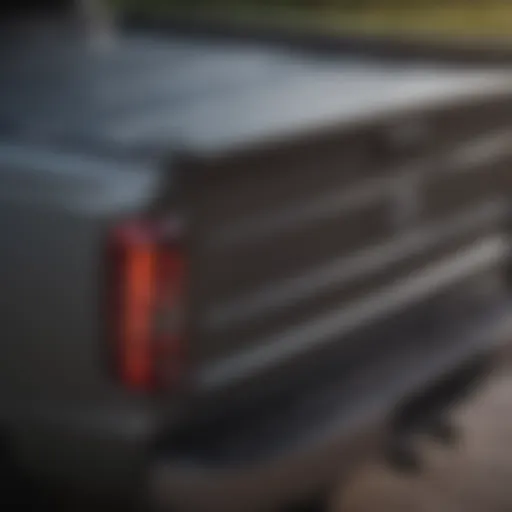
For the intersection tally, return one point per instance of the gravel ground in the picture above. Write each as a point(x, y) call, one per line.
point(473, 476)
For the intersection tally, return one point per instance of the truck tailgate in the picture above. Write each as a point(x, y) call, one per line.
point(298, 247)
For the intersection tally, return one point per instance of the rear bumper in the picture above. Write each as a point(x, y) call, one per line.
point(270, 485)
point(343, 432)
point(273, 457)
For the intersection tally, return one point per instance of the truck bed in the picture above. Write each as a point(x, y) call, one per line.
point(150, 92)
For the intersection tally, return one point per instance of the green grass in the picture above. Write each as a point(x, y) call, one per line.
point(492, 18)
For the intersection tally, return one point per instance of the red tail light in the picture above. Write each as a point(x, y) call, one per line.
point(148, 270)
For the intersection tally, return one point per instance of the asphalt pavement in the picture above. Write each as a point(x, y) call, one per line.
point(473, 476)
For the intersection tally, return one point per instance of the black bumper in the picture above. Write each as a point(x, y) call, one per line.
point(270, 459)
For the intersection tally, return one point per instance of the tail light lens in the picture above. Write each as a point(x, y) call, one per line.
point(148, 287)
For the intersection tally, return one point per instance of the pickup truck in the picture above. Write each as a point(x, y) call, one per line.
point(235, 266)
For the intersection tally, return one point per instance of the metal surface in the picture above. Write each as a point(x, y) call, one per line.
point(145, 91)
point(305, 233)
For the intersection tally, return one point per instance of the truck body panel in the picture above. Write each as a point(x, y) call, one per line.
point(346, 225)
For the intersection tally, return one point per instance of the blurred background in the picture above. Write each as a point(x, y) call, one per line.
point(448, 18)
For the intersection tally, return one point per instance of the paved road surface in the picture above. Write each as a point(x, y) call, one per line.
point(474, 477)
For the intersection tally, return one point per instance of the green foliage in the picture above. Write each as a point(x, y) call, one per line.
point(488, 18)
point(362, 4)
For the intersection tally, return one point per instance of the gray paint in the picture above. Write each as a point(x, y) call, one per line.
point(199, 94)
